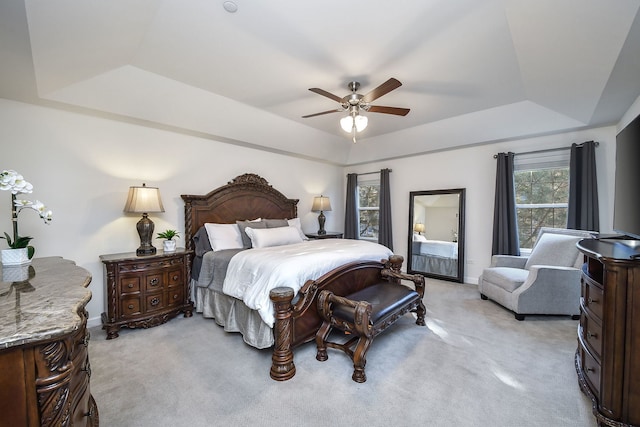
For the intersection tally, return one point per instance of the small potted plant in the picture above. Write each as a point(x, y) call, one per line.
point(168, 245)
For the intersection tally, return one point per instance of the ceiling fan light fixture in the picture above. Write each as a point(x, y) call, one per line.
point(346, 123)
point(361, 122)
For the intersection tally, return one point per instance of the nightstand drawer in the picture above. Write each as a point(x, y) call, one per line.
point(153, 282)
point(175, 278)
point(176, 296)
point(130, 307)
point(129, 285)
point(154, 302)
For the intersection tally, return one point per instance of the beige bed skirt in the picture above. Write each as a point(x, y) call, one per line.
point(234, 316)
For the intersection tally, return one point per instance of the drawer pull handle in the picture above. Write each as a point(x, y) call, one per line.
point(175, 296)
point(155, 301)
point(130, 285)
point(130, 306)
point(175, 277)
point(591, 335)
point(154, 281)
point(590, 370)
point(592, 300)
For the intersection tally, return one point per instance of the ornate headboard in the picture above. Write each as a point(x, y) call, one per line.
point(245, 197)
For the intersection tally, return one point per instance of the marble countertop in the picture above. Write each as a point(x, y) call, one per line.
point(40, 301)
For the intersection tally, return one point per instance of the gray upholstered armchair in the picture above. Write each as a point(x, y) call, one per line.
point(545, 282)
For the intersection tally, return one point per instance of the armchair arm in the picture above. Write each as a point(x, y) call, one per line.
point(549, 290)
point(508, 261)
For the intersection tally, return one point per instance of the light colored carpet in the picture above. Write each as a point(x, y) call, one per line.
point(473, 365)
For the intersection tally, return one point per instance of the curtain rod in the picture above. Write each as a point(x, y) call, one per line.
point(495, 156)
point(371, 173)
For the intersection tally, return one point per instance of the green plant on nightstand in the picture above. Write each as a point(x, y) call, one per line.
point(168, 245)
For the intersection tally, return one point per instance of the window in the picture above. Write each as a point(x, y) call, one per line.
point(368, 209)
point(542, 195)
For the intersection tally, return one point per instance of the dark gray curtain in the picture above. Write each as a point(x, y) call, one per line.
point(505, 224)
point(385, 235)
point(351, 211)
point(583, 188)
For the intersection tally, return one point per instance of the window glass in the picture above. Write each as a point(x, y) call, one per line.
point(542, 197)
point(368, 209)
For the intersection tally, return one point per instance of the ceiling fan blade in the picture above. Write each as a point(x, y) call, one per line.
point(327, 94)
point(320, 114)
point(388, 110)
point(383, 89)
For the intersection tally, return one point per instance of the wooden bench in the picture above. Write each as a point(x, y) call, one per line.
point(366, 313)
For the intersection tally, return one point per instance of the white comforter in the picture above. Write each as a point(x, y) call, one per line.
point(253, 273)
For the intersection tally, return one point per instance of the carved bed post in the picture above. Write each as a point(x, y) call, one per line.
point(282, 367)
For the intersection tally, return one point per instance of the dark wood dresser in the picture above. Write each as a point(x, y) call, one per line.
point(608, 355)
point(146, 291)
point(44, 359)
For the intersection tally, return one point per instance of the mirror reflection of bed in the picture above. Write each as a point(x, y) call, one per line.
point(436, 234)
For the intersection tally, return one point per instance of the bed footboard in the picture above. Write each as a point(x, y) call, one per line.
point(297, 322)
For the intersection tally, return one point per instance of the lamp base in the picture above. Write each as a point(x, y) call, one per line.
point(321, 220)
point(146, 251)
point(145, 231)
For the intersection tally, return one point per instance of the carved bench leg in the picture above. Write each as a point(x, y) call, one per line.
point(421, 311)
point(282, 367)
point(360, 359)
point(321, 338)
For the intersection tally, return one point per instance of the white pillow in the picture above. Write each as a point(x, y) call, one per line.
point(224, 236)
point(295, 222)
point(419, 238)
point(267, 237)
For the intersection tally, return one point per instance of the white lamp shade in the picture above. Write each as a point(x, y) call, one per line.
point(143, 200)
point(361, 122)
point(321, 203)
point(346, 123)
point(418, 228)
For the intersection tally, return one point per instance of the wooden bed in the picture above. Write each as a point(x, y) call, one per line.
point(250, 196)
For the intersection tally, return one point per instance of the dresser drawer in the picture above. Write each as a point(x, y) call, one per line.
point(592, 297)
point(591, 369)
point(592, 334)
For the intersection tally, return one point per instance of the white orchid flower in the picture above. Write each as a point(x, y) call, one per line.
point(21, 203)
point(13, 181)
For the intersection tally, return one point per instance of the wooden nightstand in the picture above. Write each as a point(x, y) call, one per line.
point(146, 291)
point(327, 235)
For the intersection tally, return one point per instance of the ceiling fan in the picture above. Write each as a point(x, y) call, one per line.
point(354, 102)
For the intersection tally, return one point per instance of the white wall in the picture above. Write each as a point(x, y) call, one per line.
point(474, 169)
point(81, 167)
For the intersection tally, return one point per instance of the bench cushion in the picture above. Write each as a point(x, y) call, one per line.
point(385, 299)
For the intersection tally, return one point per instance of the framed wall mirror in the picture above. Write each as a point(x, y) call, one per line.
point(436, 234)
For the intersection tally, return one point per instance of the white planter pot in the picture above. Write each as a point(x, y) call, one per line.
point(169, 245)
point(15, 256)
point(15, 273)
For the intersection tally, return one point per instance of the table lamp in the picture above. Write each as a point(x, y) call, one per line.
point(144, 200)
point(321, 204)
